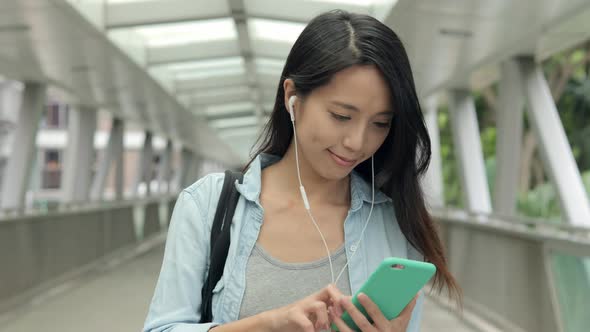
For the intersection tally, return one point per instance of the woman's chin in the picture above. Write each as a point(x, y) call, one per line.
point(335, 174)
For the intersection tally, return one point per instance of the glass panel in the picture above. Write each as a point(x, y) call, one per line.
point(234, 122)
point(191, 32)
point(365, 3)
point(573, 290)
point(127, 1)
point(202, 74)
point(205, 64)
point(379, 9)
point(275, 30)
point(229, 108)
point(202, 69)
point(131, 43)
point(269, 66)
point(222, 92)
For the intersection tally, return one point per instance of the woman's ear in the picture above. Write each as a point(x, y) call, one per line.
point(289, 89)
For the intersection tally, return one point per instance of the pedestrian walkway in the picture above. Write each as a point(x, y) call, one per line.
point(116, 296)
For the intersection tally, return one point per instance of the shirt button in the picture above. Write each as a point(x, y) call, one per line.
point(353, 248)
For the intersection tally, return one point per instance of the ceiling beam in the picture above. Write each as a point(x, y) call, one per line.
point(195, 52)
point(238, 13)
point(222, 116)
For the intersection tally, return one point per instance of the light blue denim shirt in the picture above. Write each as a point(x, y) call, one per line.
point(176, 302)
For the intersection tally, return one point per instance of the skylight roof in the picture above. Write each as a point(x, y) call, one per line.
point(275, 30)
point(188, 32)
point(203, 68)
point(127, 1)
point(229, 108)
point(269, 65)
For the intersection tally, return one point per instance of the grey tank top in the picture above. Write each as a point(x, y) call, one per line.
point(271, 283)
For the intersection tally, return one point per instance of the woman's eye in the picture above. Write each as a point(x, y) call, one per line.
point(383, 124)
point(340, 117)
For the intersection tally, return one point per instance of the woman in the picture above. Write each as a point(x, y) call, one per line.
point(348, 83)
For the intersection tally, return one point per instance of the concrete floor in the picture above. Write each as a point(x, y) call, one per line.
point(117, 299)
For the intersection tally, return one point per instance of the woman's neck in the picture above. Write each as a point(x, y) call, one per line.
point(283, 175)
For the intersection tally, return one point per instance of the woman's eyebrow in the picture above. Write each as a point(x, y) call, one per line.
point(355, 109)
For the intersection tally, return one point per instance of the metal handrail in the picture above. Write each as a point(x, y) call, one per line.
point(528, 227)
point(65, 208)
point(529, 221)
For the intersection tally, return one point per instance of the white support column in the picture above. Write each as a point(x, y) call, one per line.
point(186, 160)
point(79, 157)
point(9, 108)
point(17, 171)
point(113, 151)
point(120, 167)
point(193, 170)
point(470, 160)
point(144, 166)
point(175, 168)
point(164, 171)
point(554, 146)
point(433, 180)
point(10, 102)
point(508, 139)
point(197, 169)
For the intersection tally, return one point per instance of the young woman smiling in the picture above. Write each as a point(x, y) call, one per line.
point(358, 123)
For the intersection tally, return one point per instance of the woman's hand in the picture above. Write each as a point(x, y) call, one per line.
point(309, 314)
point(380, 322)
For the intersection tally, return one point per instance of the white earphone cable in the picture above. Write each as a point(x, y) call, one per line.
point(358, 243)
point(308, 207)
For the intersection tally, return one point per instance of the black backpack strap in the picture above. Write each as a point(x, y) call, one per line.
point(220, 239)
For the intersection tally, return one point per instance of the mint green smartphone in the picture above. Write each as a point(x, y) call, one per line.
point(392, 286)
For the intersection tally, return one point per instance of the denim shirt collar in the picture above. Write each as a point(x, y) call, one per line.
point(252, 185)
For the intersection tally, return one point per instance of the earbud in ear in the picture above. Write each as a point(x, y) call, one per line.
point(292, 107)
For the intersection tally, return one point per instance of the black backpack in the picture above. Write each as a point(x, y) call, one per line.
point(220, 239)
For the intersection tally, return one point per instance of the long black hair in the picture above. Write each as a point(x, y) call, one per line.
point(337, 40)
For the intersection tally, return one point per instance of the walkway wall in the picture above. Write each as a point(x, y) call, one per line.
point(39, 250)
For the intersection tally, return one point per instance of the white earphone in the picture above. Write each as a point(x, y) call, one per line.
point(292, 107)
point(291, 111)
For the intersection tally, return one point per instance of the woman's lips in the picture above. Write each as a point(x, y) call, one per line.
point(341, 160)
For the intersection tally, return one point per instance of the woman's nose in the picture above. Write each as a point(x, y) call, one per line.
point(354, 139)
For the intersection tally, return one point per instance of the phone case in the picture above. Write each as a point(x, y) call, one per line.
point(392, 286)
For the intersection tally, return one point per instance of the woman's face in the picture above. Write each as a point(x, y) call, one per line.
point(343, 123)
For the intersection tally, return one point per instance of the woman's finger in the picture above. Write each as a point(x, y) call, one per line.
point(342, 326)
point(320, 310)
point(407, 312)
point(335, 296)
point(404, 317)
point(334, 293)
point(359, 319)
point(303, 322)
point(380, 321)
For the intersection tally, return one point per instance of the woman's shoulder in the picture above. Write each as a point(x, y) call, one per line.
point(206, 185)
point(205, 193)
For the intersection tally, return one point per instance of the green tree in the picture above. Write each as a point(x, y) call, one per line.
point(568, 75)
